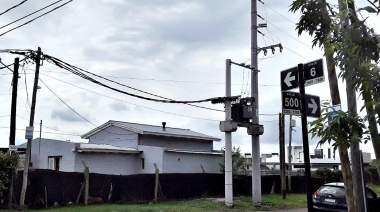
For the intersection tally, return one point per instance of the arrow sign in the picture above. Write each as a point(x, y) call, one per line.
point(289, 79)
point(313, 72)
point(291, 104)
point(313, 106)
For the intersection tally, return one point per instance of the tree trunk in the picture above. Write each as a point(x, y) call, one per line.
point(343, 153)
point(347, 178)
point(372, 123)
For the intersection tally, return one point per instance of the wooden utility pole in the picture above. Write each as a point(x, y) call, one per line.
point(31, 124)
point(282, 155)
point(12, 134)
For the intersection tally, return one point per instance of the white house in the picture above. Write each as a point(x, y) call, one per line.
point(123, 148)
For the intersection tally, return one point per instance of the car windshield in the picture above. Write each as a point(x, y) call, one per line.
point(337, 192)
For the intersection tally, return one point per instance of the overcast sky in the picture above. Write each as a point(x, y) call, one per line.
point(176, 49)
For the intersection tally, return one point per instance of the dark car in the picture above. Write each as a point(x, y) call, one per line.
point(332, 197)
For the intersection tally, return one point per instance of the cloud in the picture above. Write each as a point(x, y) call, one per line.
point(66, 115)
point(117, 106)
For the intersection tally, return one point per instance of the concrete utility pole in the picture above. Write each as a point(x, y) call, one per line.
point(256, 172)
point(31, 124)
point(228, 146)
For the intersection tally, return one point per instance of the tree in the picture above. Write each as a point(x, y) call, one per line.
point(355, 49)
point(8, 163)
point(238, 163)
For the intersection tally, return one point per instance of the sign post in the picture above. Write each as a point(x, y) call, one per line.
point(303, 104)
point(305, 138)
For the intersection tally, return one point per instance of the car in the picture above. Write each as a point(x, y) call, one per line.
point(332, 197)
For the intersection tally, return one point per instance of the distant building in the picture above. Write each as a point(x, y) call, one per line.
point(123, 148)
point(317, 160)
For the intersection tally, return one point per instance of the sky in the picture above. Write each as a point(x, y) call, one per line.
point(175, 49)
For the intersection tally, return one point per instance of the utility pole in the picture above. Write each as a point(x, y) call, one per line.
point(256, 172)
point(290, 154)
point(228, 146)
point(12, 134)
point(31, 124)
point(282, 154)
point(39, 145)
point(354, 143)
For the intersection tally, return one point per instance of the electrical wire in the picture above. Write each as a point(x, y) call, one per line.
point(6, 66)
point(67, 104)
point(13, 7)
point(283, 30)
point(29, 14)
point(79, 72)
point(35, 18)
point(161, 111)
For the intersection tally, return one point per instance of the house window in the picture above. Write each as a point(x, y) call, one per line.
point(142, 163)
point(54, 162)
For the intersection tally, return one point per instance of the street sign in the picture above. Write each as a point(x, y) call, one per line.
point(291, 104)
point(12, 148)
point(313, 106)
point(289, 79)
point(313, 72)
point(29, 132)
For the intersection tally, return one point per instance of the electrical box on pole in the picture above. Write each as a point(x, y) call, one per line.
point(243, 111)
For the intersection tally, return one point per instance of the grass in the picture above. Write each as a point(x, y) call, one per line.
point(270, 202)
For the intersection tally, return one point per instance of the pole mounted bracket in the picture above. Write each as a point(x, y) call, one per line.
point(228, 126)
point(255, 129)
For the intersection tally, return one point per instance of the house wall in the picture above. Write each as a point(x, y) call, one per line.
point(108, 163)
point(42, 149)
point(151, 155)
point(115, 136)
point(176, 143)
point(175, 162)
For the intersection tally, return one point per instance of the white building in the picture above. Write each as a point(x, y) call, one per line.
point(124, 148)
point(317, 160)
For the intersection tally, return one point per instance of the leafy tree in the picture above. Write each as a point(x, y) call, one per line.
point(238, 163)
point(355, 48)
point(8, 163)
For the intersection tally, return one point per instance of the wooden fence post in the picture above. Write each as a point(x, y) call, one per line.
point(86, 182)
point(157, 172)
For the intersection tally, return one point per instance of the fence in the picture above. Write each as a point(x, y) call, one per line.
point(64, 187)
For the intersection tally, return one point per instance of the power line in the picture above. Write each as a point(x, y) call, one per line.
point(176, 114)
point(67, 104)
point(166, 80)
point(283, 30)
point(13, 7)
point(33, 18)
point(29, 14)
point(79, 72)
